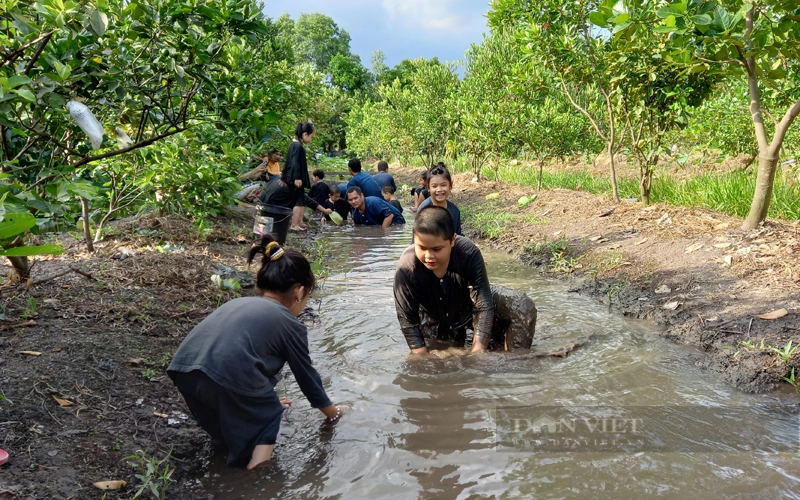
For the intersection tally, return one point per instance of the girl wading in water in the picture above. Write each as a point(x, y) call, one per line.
point(295, 172)
point(227, 367)
point(439, 184)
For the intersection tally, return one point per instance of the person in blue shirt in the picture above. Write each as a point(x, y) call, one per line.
point(383, 177)
point(439, 184)
point(362, 180)
point(371, 210)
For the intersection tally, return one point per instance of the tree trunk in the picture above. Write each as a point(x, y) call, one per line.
point(613, 172)
point(767, 165)
point(87, 231)
point(539, 180)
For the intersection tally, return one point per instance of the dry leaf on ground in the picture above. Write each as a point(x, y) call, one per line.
point(692, 248)
point(774, 314)
point(671, 305)
point(63, 402)
point(110, 485)
point(31, 353)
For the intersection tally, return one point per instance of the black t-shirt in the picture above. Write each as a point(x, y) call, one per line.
point(341, 207)
point(319, 192)
point(448, 300)
point(396, 204)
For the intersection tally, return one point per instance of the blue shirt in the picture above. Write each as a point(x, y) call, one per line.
point(451, 207)
point(367, 184)
point(375, 211)
point(385, 179)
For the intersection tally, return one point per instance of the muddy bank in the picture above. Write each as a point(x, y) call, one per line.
point(693, 271)
point(82, 359)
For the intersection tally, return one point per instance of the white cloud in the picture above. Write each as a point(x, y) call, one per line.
point(447, 17)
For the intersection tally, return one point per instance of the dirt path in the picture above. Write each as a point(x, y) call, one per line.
point(97, 395)
point(693, 270)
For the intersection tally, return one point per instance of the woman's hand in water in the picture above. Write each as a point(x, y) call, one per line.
point(285, 402)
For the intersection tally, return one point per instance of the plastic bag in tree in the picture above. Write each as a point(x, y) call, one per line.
point(87, 122)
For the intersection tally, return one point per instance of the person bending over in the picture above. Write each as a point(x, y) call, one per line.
point(371, 210)
point(227, 367)
point(362, 180)
point(433, 279)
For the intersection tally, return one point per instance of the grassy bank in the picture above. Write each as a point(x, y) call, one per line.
point(729, 192)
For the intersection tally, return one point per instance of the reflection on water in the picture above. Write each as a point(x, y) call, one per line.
point(424, 427)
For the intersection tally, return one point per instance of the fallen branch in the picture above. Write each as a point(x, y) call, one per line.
point(18, 325)
point(62, 273)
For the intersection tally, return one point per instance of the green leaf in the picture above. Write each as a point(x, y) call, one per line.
point(16, 81)
point(702, 20)
point(99, 22)
point(34, 250)
point(669, 10)
point(16, 223)
point(598, 19)
point(25, 94)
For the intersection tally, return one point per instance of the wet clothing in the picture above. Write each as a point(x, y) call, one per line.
point(367, 184)
point(234, 422)
point(396, 204)
point(242, 347)
point(385, 179)
point(341, 207)
point(319, 192)
point(451, 207)
point(375, 211)
point(450, 302)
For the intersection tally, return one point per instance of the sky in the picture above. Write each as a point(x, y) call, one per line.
point(402, 29)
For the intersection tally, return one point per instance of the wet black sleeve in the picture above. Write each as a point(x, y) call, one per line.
point(407, 305)
point(484, 305)
point(297, 355)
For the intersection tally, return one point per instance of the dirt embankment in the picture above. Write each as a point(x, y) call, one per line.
point(84, 394)
point(692, 270)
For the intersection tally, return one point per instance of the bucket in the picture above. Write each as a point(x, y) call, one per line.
point(272, 219)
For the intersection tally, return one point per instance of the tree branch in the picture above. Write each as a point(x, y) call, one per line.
point(10, 58)
point(583, 111)
point(38, 53)
point(138, 145)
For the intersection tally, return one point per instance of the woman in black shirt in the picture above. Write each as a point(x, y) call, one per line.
point(295, 171)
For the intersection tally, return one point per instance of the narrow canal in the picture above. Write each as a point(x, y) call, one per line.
point(428, 427)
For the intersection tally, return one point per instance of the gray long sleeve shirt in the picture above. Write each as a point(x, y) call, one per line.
point(243, 346)
point(446, 300)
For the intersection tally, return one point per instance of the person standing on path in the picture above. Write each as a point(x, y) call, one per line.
point(227, 367)
point(295, 172)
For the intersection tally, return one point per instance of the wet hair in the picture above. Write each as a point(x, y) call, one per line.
point(319, 173)
point(439, 169)
point(282, 269)
point(383, 166)
point(387, 189)
point(304, 128)
point(335, 189)
point(354, 189)
point(355, 165)
point(435, 221)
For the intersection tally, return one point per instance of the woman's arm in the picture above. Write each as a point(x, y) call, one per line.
point(484, 305)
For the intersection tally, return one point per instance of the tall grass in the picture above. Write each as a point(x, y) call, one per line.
point(729, 193)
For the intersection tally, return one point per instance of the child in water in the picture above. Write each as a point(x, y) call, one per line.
point(388, 195)
point(440, 183)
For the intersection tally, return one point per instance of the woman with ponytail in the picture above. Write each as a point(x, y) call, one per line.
point(295, 171)
point(227, 367)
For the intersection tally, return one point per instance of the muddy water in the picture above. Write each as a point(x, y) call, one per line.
point(426, 428)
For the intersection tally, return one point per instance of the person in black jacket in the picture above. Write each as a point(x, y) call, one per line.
point(443, 277)
point(295, 171)
point(227, 367)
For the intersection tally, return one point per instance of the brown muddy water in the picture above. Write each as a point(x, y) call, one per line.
point(447, 426)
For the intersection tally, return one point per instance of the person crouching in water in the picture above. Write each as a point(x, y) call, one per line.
point(227, 367)
point(434, 277)
point(371, 210)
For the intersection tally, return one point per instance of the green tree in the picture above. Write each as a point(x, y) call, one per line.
point(378, 64)
point(758, 41)
point(349, 74)
point(318, 38)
